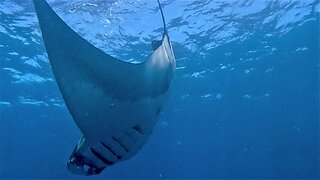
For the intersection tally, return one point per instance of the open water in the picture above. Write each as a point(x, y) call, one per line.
point(244, 101)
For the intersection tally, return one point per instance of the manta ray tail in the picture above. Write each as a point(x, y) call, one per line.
point(156, 43)
point(163, 20)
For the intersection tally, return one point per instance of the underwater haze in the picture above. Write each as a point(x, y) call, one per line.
point(244, 101)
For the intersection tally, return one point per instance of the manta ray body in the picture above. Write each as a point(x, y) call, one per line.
point(114, 103)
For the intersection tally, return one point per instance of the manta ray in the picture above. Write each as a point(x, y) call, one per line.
point(114, 103)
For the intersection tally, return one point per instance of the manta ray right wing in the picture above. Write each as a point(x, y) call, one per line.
point(114, 103)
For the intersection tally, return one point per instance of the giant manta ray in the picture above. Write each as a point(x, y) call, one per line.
point(114, 103)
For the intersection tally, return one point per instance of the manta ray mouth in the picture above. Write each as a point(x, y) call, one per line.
point(108, 152)
point(115, 104)
point(78, 164)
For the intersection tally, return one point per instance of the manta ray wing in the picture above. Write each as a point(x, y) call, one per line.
point(114, 103)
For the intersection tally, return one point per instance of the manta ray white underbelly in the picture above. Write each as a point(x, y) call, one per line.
point(114, 103)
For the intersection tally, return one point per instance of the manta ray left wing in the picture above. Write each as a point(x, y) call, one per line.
point(114, 103)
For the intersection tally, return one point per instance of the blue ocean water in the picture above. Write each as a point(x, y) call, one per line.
point(244, 101)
